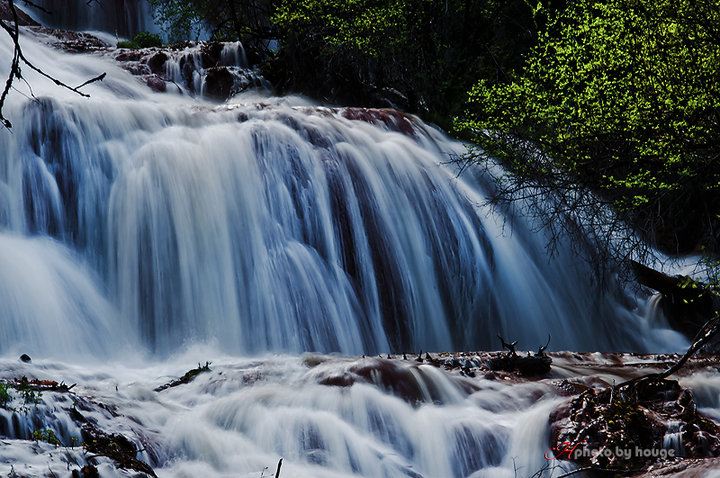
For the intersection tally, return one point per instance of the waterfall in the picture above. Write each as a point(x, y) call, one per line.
point(272, 227)
point(141, 232)
point(121, 17)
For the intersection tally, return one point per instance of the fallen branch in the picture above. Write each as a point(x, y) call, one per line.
point(36, 6)
point(187, 378)
point(707, 332)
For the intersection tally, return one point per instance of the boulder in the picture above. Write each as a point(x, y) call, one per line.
point(628, 428)
point(157, 62)
point(219, 83)
point(156, 83)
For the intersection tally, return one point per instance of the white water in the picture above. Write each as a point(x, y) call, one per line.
point(150, 222)
point(272, 228)
point(121, 17)
point(245, 415)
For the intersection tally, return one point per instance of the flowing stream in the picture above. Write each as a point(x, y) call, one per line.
point(142, 232)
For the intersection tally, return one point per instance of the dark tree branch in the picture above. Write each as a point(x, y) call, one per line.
point(92, 80)
point(510, 347)
point(37, 7)
point(19, 58)
point(708, 331)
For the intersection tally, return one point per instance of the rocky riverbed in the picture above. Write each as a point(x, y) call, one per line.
point(60, 419)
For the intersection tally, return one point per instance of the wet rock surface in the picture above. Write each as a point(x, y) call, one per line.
point(211, 69)
point(593, 412)
point(630, 429)
point(23, 18)
point(214, 70)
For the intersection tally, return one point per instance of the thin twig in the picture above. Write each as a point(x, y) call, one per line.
point(19, 58)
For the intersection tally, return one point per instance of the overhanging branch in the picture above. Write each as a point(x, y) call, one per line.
point(19, 59)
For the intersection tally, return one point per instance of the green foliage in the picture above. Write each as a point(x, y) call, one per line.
point(5, 397)
point(621, 97)
point(426, 53)
point(128, 44)
point(191, 374)
point(147, 40)
point(180, 20)
point(46, 436)
point(223, 20)
point(368, 26)
point(28, 394)
point(142, 40)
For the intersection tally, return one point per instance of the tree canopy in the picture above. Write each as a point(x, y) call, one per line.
point(421, 55)
point(621, 98)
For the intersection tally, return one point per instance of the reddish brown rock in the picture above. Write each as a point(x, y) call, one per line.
point(156, 83)
point(157, 62)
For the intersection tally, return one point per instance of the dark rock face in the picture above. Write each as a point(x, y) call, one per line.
point(129, 55)
point(116, 447)
point(218, 83)
point(211, 54)
point(686, 303)
point(196, 68)
point(156, 83)
point(632, 427)
point(157, 62)
point(73, 42)
point(393, 119)
point(535, 365)
point(23, 18)
point(87, 471)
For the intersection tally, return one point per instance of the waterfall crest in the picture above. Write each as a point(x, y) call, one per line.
point(121, 17)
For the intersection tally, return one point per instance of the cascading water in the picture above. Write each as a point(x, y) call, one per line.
point(145, 222)
point(120, 17)
point(271, 228)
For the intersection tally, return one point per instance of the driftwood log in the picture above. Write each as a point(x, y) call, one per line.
point(686, 303)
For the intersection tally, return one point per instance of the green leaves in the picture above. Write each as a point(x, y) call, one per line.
point(428, 51)
point(625, 99)
point(369, 26)
point(142, 40)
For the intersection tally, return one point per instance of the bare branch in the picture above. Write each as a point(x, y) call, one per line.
point(92, 80)
point(36, 6)
point(708, 331)
point(19, 58)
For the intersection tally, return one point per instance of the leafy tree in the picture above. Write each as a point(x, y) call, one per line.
point(224, 20)
point(621, 98)
point(422, 55)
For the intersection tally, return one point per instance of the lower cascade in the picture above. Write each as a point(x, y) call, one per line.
point(141, 232)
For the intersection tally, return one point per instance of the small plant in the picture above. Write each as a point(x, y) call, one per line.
point(142, 40)
point(46, 436)
point(5, 397)
point(29, 395)
point(128, 44)
point(146, 40)
point(187, 378)
point(190, 374)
